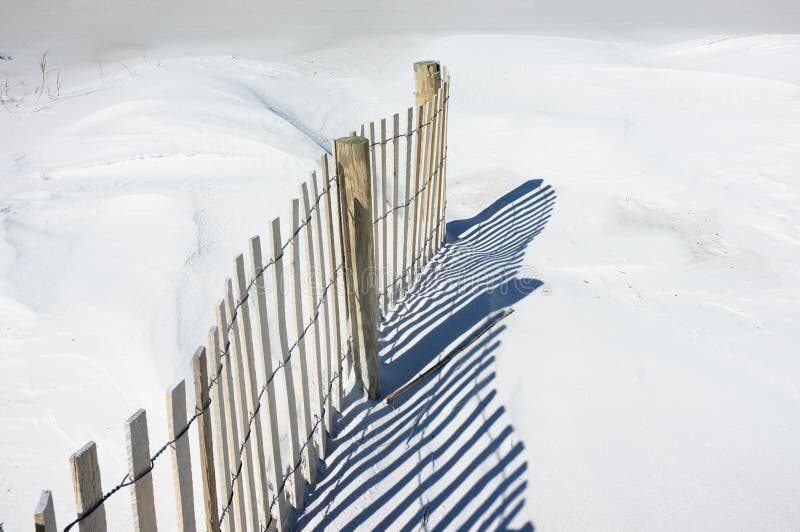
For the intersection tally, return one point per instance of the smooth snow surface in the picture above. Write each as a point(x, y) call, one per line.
point(636, 200)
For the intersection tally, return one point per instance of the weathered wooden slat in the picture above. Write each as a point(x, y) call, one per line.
point(234, 491)
point(181, 457)
point(202, 402)
point(334, 291)
point(328, 353)
point(251, 389)
point(298, 485)
point(434, 174)
point(383, 198)
point(44, 517)
point(408, 194)
point(240, 392)
point(138, 443)
point(425, 196)
point(310, 455)
point(320, 436)
point(220, 428)
point(269, 406)
point(395, 286)
point(442, 229)
point(415, 211)
point(88, 488)
point(373, 165)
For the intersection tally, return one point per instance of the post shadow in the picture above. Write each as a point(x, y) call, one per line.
point(443, 456)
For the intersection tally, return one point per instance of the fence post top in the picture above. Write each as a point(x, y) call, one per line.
point(420, 64)
point(352, 140)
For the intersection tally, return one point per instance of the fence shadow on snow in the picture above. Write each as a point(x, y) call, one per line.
point(444, 455)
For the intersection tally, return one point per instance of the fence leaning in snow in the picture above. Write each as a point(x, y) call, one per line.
point(359, 237)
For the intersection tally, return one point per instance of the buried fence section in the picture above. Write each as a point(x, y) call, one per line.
point(265, 398)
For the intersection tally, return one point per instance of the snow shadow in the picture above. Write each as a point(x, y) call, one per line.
point(444, 455)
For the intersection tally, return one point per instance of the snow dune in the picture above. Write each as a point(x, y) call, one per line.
point(648, 377)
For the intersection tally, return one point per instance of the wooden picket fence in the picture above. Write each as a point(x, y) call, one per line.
point(262, 414)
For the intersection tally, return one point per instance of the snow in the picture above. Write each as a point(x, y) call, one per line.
point(648, 378)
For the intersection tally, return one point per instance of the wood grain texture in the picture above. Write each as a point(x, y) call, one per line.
point(297, 482)
point(44, 517)
point(223, 477)
point(352, 166)
point(269, 407)
point(205, 440)
point(428, 77)
point(181, 457)
point(251, 388)
point(312, 294)
point(301, 355)
point(322, 282)
point(88, 488)
point(242, 408)
point(142, 500)
point(334, 291)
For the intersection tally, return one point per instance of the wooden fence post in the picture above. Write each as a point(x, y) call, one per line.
point(88, 489)
point(352, 166)
point(202, 401)
point(144, 510)
point(181, 457)
point(44, 517)
point(428, 77)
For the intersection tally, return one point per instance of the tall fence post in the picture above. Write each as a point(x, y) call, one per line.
point(352, 168)
point(428, 75)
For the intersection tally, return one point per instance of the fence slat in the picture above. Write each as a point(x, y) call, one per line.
point(220, 427)
point(313, 302)
point(434, 176)
point(44, 517)
point(416, 210)
point(234, 493)
point(251, 387)
point(395, 205)
point(384, 222)
point(88, 488)
point(374, 180)
point(138, 443)
point(408, 193)
point(280, 308)
point(426, 156)
point(270, 405)
point(310, 455)
point(181, 457)
point(206, 442)
point(443, 193)
point(439, 222)
point(240, 391)
point(326, 314)
point(337, 330)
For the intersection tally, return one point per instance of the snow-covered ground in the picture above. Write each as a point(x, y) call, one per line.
point(651, 376)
